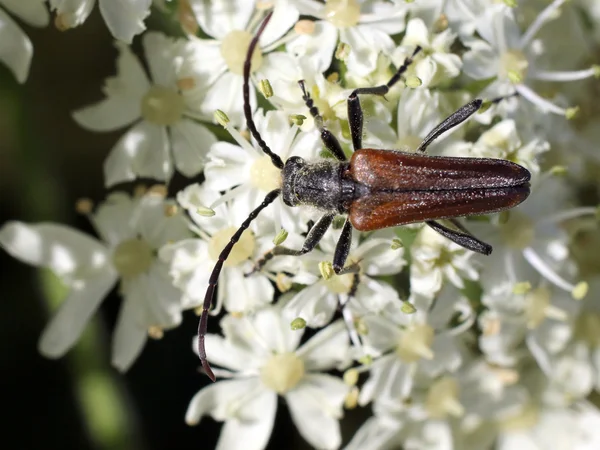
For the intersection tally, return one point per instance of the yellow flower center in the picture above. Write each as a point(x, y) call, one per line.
point(162, 106)
point(234, 48)
point(241, 251)
point(415, 343)
point(513, 66)
point(519, 230)
point(442, 399)
point(264, 175)
point(282, 372)
point(339, 284)
point(537, 303)
point(342, 13)
point(132, 257)
point(525, 419)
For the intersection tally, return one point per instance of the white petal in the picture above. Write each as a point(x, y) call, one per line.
point(365, 43)
point(34, 12)
point(224, 353)
point(226, 95)
point(228, 166)
point(218, 18)
point(316, 407)
point(142, 152)
point(317, 48)
point(160, 54)
point(327, 349)
point(314, 304)
point(191, 142)
point(112, 218)
point(154, 299)
point(129, 338)
point(124, 94)
point(65, 251)
point(72, 13)
point(481, 61)
point(285, 15)
point(149, 221)
point(68, 323)
point(215, 399)
point(16, 49)
point(125, 19)
point(385, 17)
point(243, 294)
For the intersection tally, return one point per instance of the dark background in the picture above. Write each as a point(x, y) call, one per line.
point(47, 162)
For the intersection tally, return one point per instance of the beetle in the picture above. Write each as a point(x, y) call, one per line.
point(377, 188)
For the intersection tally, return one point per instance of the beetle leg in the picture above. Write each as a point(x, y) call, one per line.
point(342, 249)
point(329, 140)
point(355, 114)
point(315, 234)
point(461, 237)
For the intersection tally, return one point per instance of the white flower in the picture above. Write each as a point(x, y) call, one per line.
point(162, 110)
point(231, 24)
point(434, 63)
point(435, 259)
point(511, 57)
point(529, 241)
point(263, 360)
point(412, 348)
point(317, 303)
point(131, 230)
point(124, 19)
point(192, 260)
point(363, 25)
point(16, 49)
point(569, 428)
point(250, 174)
point(503, 141)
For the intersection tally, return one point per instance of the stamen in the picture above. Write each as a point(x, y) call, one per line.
point(574, 75)
point(542, 103)
point(546, 271)
point(539, 21)
point(230, 194)
point(569, 214)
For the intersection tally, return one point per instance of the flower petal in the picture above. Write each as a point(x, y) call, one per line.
point(142, 152)
point(327, 349)
point(160, 52)
point(225, 95)
point(316, 407)
point(70, 254)
point(285, 15)
point(218, 18)
point(71, 13)
point(16, 49)
point(317, 48)
point(227, 166)
point(125, 19)
point(124, 94)
point(129, 337)
point(65, 328)
point(34, 12)
point(191, 143)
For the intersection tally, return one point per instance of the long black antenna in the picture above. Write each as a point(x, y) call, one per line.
point(275, 159)
point(214, 279)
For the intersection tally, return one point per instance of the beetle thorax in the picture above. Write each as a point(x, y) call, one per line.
point(319, 184)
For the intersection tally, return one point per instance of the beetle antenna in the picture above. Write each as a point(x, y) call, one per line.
point(214, 279)
point(275, 159)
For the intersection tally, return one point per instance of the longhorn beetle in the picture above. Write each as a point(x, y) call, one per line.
point(377, 188)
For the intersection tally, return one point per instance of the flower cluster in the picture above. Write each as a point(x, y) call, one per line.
point(449, 348)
